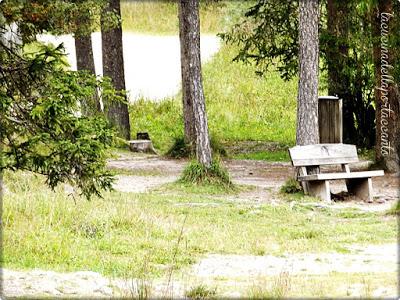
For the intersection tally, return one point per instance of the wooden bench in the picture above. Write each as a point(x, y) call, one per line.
point(311, 157)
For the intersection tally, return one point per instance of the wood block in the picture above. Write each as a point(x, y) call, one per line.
point(320, 189)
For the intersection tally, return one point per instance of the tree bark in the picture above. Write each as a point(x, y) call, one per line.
point(85, 62)
point(307, 101)
point(113, 66)
point(192, 85)
point(387, 96)
point(186, 36)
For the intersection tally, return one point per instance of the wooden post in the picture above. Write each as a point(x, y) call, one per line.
point(330, 120)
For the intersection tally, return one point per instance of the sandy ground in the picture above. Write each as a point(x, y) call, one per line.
point(152, 63)
point(239, 273)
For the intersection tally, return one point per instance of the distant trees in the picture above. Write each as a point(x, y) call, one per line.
point(113, 65)
point(307, 99)
point(194, 111)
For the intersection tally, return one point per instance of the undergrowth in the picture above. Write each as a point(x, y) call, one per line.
point(216, 174)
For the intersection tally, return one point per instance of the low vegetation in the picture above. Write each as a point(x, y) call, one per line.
point(52, 230)
point(198, 174)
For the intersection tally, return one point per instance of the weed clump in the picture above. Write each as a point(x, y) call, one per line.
point(196, 173)
point(201, 292)
point(291, 186)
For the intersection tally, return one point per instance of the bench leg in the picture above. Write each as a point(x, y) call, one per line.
point(320, 188)
point(361, 187)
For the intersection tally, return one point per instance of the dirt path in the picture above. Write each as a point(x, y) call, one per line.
point(267, 177)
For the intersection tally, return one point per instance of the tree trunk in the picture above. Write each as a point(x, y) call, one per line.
point(192, 85)
point(307, 101)
point(337, 54)
point(85, 62)
point(387, 96)
point(113, 66)
point(185, 35)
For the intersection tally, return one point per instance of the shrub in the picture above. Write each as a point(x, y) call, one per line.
point(291, 186)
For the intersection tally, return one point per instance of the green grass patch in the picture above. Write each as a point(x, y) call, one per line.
point(282, 156)
point(114, 235)
point(161, 17)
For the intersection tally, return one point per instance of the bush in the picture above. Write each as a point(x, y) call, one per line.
point(291, 186)
point(196, 173)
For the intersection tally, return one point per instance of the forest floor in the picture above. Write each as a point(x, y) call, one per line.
point(357, 270)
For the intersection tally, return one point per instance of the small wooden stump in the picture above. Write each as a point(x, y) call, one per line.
point(143, 146)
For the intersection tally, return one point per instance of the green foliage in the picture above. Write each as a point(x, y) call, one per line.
point(291, 186)
point(40, 127)
point(267, 35)
point(55, 16)
point(201, 292)
point(196, 173)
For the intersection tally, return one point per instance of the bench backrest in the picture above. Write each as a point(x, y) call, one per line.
point(323, 154)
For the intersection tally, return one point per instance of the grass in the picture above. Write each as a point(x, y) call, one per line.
point(280, 155)
point(49, 230)
point(240, 107)
point(161, 17)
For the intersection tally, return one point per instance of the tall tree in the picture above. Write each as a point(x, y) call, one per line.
point(387, 96)
point(307, 99)
point(85, 62)
point(192, 86)
point(187, 93)
point(113, 66)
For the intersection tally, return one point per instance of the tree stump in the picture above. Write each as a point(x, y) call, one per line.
point(143, 146)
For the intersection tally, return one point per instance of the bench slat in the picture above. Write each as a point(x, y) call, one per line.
point(323, 154)
point(332, 176)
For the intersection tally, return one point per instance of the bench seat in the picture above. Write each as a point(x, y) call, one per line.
point(343, 175)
